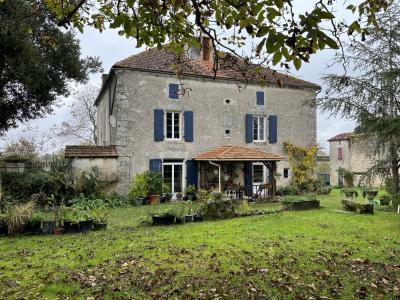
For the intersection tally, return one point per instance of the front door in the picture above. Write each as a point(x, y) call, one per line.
point(172, 173)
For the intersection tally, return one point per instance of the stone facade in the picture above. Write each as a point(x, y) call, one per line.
point(126, 119)
point(356, 157)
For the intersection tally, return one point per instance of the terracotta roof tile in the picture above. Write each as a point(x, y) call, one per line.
point(155, 60)
point(90, 151)
point(236, 152)
point(342, 137)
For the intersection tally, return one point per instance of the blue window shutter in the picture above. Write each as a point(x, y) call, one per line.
point(191, 172)
point(248, 178)
point(188, 123)
point(173, 91)
point(158, 125)
point(260, 97)
point(155, 165)
point(273, 129)
point(249, 128)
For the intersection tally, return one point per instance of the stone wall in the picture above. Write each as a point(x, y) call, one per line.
point(139, 93)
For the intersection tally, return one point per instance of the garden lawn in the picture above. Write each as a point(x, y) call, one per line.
point(300, 254)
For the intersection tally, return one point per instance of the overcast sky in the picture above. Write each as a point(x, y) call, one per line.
point(111, 47)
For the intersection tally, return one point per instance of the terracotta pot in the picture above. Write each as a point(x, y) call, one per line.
point(58, 231)
point(154, 199)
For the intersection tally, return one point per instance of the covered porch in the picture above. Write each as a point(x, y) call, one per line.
point(237, 171)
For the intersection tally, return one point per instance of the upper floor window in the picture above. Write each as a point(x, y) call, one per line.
point(173, 126)
point(340, 153)
point(259, 129)
point(173, 91)
point(260, 98)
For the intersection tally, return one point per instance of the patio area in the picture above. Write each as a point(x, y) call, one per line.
point(237, 171)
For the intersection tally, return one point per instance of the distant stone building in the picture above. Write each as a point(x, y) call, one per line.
point(219, 131)
point(352, 152)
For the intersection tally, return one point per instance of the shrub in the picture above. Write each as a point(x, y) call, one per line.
point(388, 185)
point(21, 186)
point(115, 200)
point(145, 184)
point(17, 216)
point(348, 177)
point(191, 189)
point(288, 190)
point(203, 195)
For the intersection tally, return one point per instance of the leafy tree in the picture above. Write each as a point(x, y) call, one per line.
point(37, 61)
point(371, 95)
point(83, 125)
point(275, 27)
point(23, 148)
point(303, 161)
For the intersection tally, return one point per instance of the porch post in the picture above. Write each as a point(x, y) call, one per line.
point(219, 174)
point(273, 179)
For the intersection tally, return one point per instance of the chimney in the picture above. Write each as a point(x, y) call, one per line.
point(104, 78)
point(206, 48)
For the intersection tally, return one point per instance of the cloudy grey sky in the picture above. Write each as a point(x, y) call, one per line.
point(111, 47)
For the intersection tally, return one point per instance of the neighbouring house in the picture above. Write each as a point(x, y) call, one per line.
point(352, 152)
point(219, 131)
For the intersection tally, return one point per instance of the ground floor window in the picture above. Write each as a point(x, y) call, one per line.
point(173, 176)
point(286, 173)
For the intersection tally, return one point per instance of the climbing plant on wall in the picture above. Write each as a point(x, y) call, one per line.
point(303, 163)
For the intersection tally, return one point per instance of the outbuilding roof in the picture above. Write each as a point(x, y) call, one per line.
point(237, 153)
point(90, 151)
point(342, 136)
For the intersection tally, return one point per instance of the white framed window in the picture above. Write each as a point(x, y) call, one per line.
point(260, 175)
point(259, 129)
point(173, 176)
point(173, 126)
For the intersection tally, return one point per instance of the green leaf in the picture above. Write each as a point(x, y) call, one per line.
point(263, 31)
point(297, 63)
point(276, 58)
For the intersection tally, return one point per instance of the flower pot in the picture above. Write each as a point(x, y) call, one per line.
point(154, 199)
point(163, 220)
point(179, 220)
point(370, 195)
point(33, 227)
point(198, 218)
point(138, 201)
point(190, 196)
point(71, 227)
point(99, 226)
point(48, 227)
point(85, 226)
point(58, 231)
point(189, 218)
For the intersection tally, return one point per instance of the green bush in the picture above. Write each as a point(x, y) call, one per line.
point(21, 186)
point(145, 184)
point(289, 190)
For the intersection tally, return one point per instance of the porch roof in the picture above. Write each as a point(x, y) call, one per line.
point(237, 153)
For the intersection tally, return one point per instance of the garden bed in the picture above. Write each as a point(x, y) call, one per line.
point(301, 203)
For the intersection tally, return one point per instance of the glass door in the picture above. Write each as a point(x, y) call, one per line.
point(260, 173)
point(172, 173)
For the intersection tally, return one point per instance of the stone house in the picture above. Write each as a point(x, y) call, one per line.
point(352, 152)
point(219, 130)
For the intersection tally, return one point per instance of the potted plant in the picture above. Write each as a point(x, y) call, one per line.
point(71, 222)
point(190, 215)
point(165, 218)
point(385, 200)
point(85, 221)
point(139, 189)
point(190, 191)
point(58, 219)
point(155, 182)
point(166, 193)
point(100, 221)
point(369, 192)
point(34, 224)
point(349, 193)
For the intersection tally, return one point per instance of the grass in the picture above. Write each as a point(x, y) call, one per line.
point(308, 254)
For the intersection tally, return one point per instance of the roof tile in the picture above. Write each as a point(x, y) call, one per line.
point(237, 152)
